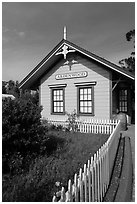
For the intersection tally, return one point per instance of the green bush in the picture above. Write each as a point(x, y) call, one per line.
point(72, 125)
point(22, 131)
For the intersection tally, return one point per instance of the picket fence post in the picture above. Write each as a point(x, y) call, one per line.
point(89, 181)
point(63, 195)
point(81, 185)
point(54, 199)
point(85, 182)
point(100, 174)
point(76, 188)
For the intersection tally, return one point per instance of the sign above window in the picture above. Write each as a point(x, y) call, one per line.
point(71, 75)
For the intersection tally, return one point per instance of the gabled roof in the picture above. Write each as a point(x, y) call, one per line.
point(32, 79)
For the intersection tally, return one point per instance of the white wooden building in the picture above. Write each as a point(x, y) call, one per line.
point(70, 77)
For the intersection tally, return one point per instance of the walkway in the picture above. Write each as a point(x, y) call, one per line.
point(131, 133)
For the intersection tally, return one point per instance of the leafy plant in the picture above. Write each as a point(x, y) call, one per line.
point(22, 131)
point(59, 127)
point(72, 118)
point(129, 62)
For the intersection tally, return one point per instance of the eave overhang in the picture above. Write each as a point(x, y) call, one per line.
point(33, 78)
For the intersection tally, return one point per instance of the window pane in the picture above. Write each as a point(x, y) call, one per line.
point(59, 108)
point(61, 92)
point(61, 98)
point(89, 97)
point(55, 92)
point(85, 97)
point(81, 91)
point(81, 109)
point(85, 103)
point(85, 91)
point(81, 97)
point(124, 103)
point(89, 103)
point(61, 104)
point(89, 110)
point(81, 103)
point(85, 109)
point(89, 91)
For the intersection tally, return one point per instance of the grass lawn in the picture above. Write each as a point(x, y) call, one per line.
point(38, 184)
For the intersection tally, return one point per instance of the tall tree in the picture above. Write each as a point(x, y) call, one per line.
point(13, 88)
point(4, 89)
point(129, 63)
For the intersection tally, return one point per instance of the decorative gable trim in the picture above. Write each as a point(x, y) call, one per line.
point(65, 50)
point(65, 47)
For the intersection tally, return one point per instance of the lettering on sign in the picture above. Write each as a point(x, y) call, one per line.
point(71, 75)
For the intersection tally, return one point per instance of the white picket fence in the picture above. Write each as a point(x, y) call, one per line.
point(90, 126)
point(91, 183)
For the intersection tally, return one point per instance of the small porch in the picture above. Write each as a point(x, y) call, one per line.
point(123, 97)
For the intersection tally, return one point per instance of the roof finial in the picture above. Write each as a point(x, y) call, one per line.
point(65, 33)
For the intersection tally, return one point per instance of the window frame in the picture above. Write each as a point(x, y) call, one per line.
point(78, 99)
point(52, 100)
point(119, 100)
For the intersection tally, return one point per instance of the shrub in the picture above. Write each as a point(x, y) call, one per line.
point(59, 127)
point(52, 127)
point(22, 131)
point(15, 163)
point(72, 117)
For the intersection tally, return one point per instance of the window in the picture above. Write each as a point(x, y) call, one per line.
point(123, 97)
point(58, 101)
point(85, 100)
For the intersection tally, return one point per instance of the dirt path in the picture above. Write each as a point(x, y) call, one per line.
point(131, 133)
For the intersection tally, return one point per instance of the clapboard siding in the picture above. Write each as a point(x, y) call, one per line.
point(95, 73)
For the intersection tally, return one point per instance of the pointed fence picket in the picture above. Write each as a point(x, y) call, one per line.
point(91, 184)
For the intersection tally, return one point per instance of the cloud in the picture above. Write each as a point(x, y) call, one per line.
point(5, 39)
point(9, 31)
point(5, 29)
point(18, 33)
point(21, 34)
point(9, 34)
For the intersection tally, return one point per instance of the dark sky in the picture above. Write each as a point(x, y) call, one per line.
point(30, 30)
